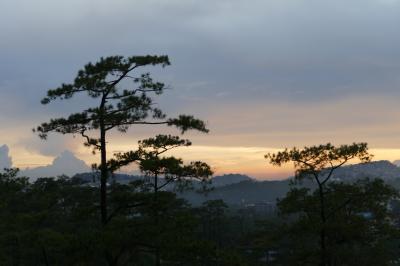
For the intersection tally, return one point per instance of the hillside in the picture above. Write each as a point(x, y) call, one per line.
point(239, 190)
point(228, 179)
point(251, 191)
point(241, 193)
point(377, 169)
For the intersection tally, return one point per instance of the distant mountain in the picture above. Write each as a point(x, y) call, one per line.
point(249, 191)
point(228, 179)
point(252, 191)
point(65, 164)
point(377, 169)
point(234, 189)
point(396, 162)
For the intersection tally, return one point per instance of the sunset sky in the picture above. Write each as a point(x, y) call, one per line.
point(263, 74)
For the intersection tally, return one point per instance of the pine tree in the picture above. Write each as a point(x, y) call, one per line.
point(118, 106)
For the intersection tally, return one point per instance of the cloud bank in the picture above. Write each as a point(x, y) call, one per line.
point(5, 158)
point(64, 164)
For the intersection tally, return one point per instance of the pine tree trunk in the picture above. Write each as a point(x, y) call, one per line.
point(157, 251)
point(324, 255)
point(103, 175)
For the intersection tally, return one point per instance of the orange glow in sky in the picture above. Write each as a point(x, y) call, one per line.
point(243, 160)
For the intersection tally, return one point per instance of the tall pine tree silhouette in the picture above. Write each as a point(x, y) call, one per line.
point(118, 106)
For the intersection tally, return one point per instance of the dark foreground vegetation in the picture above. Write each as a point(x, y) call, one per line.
point(66, 221)
point(57, 222)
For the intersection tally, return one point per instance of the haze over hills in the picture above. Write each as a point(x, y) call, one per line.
point(234, 189)
point(252, 191)
point(242, 193)
point(239, 190)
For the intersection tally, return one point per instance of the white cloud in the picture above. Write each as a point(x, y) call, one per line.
point(65, 164)
point(5, 159)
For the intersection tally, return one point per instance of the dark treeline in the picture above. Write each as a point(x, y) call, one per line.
point(56, 221)
point(65, 221)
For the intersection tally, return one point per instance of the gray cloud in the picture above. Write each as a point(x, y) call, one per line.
point(52, 146)
point(64, 164)
point(306, 46)
point(5, 158)
point(224, 53)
